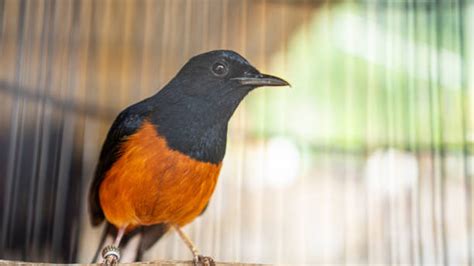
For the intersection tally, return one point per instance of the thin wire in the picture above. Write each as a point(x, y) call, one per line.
point(328, 20)
point(158, 36)
point(219, 253)
point(461, 11)
point(187, 28)
point(165, 39)
point(52, 169)
point(197, 228)
point(237, 251)
point(260, 209)
point(417, 96)
point(412, 135)
point(171, 36)
point(279, 214)
point(127, 81)
point(387, 89)
point(32, 189)
point(104, 58)
point(147, 54)
point(302, 247)
point(371, 109)
point(433, 150)
point(441, 142)
point(398, 141)
point(2, 23)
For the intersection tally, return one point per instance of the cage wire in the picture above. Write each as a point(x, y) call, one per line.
point(367, 159)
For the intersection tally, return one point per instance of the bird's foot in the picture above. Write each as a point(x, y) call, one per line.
point(111, 255)
point(201, 260)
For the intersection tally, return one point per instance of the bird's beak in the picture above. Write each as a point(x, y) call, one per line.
point(262, 80)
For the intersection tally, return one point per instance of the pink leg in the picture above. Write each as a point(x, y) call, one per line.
point(111, 254)
point(198, 258)
point(119, 236)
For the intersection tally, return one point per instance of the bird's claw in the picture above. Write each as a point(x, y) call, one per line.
point(111, 255)
point(201, 260)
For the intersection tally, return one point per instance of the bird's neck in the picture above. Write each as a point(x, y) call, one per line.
point(196, 126)
point(198, 134)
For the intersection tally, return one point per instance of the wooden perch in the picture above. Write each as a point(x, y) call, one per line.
point(157, 263)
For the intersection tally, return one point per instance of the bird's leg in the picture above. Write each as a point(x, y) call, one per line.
point(119, 236)
point(111, 253)
point(197, 257)
point(187, 241)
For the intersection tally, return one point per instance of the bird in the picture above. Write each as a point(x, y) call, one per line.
point(160, 161)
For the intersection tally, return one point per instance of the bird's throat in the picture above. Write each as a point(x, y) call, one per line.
point(202, 141)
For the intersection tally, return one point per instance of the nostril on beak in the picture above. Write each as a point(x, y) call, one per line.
point(252, 73)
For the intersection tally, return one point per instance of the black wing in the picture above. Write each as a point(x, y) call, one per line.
point(126, 124)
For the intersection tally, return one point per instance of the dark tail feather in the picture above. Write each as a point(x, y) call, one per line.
point(149, 236)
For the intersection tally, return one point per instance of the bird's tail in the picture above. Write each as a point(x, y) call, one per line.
point(149, 236)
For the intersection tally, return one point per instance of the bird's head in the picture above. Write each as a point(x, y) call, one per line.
point(194, 109)
point(217, 81)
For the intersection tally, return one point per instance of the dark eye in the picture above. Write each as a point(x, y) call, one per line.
point(219, 69)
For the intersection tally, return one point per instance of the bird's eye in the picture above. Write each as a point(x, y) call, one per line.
point(219, 69)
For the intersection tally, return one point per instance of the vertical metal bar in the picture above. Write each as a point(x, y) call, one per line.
point(44, 81)
point(2, 22)
point(36, 149)
point(13, 139)
point(67, 142)
point(89, 66)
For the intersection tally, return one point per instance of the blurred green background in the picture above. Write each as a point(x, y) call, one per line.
point(376, 74)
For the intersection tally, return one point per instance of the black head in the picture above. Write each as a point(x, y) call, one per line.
point(193, 110)
point(213, 72)
point(221, 78)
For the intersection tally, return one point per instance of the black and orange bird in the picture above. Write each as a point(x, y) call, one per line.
point(162, 156)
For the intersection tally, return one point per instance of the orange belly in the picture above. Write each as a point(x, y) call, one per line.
point(150, 183)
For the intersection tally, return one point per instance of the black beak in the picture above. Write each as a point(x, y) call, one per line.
point(261, 80)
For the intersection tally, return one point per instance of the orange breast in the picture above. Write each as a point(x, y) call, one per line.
point(150, 183)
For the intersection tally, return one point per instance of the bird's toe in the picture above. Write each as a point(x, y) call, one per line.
point(201, 260)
